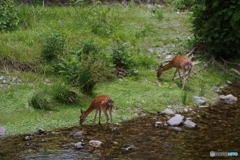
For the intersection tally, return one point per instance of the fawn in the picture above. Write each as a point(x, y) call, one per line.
point(100, 103)
point(179, 62)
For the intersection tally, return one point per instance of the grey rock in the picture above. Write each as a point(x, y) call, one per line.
point(189, 124)
point(159, 124)
point(95, 143)
point(176, 120)
point(27, 138)
point(77, 134)
point(199, 100)
point(2, 131)
point(79, 145)
point(168, 111)
point(230, 99)
point(129, 148)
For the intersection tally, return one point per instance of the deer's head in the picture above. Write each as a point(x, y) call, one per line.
point(159, 70)
point(82, 117)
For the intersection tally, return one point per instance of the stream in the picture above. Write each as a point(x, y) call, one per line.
point(218, 129)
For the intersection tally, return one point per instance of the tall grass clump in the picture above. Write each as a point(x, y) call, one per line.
point(103, 22)
point(42, 100)
point(49, 97)
point(53, 46)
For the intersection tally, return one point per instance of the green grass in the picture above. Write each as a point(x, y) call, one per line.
point(136, 25)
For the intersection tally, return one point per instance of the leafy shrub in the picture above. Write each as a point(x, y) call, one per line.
point(53, 46)
point(8, 15)
point(87, 47)
point(216, 23)
point(85, 71)
point(120, 56)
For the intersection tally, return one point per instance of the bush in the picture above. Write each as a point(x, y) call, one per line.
point(53, 46)
point(42, 100)
point(88, 47)
point(63, 94)
point(8, 15)
point(121, 56)
point(216, 23)
point(85, 71)
point(48, 97)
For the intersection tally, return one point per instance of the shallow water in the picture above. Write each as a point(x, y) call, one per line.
point(218, 129)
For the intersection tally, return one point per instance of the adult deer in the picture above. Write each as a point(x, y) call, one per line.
point(100, 103)
point(180, 63)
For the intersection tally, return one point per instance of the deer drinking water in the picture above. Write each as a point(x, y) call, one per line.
point(100, 103)
point(180, 63)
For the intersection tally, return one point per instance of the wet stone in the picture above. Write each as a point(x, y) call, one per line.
point(95, 143)
point(77, 134)
point(79, 145)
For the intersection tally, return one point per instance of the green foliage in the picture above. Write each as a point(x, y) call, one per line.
point(88, 46)
point(121, 56)
point(184, 97)
point(85, 71)
point(158, 13)
point(53, 46)
point(184, 4)
point(42, 100)
point(103, 22)
point(47, 98)
point(8, 15)
point(216, 23)
point(62, 93)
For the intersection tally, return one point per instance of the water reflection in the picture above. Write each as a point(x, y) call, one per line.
point(67, 154)
point(218, 130)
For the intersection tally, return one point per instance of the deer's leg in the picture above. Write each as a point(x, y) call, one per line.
point(106, 115)
point(175, 73)
point(110, 113)
point(96, 112)
point(99, 117)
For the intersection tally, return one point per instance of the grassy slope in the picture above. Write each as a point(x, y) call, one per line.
point(132, 95)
